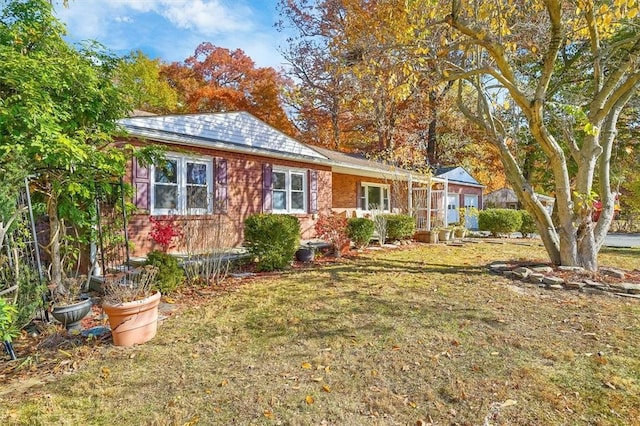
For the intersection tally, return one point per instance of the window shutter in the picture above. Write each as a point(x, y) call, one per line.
point(267, 193)
point(221, 200)
point(313, 191)
point(141, 185)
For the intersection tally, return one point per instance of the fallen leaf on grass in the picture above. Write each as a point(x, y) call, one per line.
point(223, 383)
point(326, 388)
point(306, 365)
point(268, 414)
point(193, 421)
point(309, 400)
point(317, 379)
point(105, 372)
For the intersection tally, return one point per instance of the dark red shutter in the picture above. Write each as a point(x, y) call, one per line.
point(267, 192)
point(141, 185)
point(313, 191)
point(221, 201)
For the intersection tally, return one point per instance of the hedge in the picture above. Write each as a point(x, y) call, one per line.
point(272, 239)
point(360, 230)
point(400, 226)
point(499, 221)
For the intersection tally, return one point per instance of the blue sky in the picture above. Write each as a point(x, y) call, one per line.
point(172, 29)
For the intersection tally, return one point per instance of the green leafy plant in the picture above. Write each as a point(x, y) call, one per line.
point(360, 230)
point(400, 226)
point(170, 274)
point(8, 316)
point(272, 239)
point(499, 221)
point(528, 227)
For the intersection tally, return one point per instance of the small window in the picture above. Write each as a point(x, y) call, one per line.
point(182, 185)
point(289, 191)
point(374, 197)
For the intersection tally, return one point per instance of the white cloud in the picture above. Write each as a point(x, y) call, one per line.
point(174, 28)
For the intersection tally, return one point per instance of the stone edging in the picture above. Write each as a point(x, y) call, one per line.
point(543, 276)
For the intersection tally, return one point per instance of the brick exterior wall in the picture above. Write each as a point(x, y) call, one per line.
point(244, 196)
point(345, 192)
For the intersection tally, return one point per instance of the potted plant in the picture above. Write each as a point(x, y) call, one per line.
point(70, 306)
point(444, 234)
point(131, 303)
point(306, 253)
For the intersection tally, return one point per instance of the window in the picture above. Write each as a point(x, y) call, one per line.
point(374, 197)
point(182, 186)
point(289, 191)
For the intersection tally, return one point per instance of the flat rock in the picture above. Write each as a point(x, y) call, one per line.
point(543, 269)
point(553, 281)
point(574, 285)
point(570, 268)
point(594, 284)
point(616, 273)
point(498, 266)
point(593, 291)
point(522, 272)
point(555, 287)
point(626, 287)
point(632, 296)
point(535, 278)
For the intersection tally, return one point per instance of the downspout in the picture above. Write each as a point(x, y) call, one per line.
point(410, 194)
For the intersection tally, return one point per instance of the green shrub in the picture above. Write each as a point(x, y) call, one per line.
point(360, 230)
point(170, 274)
point(272, 239)
point(400, 227)
point(528, 227)
point(8, 314)
point(499, 221)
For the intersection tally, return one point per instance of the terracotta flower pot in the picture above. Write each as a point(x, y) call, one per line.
point(133, 322)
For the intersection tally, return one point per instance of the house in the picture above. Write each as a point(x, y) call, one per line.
point(232, 165)
point(463, 190)
point(505, 198)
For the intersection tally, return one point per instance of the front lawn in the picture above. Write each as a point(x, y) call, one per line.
point(423, 333)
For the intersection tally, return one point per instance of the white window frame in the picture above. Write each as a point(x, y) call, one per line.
point(288, 191)
point(181, 207)
point(364, 186)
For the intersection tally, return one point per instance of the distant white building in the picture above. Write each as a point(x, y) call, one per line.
point(505, 198)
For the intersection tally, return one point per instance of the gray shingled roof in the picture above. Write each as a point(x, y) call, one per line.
point(219, 130)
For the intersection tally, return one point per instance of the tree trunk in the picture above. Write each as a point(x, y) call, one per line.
point(55, 234)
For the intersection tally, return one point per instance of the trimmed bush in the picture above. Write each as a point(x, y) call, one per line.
point(272, 239)
point(400, 227)
point(499, 221)
point(360, 230)
point(170, 274)
point(528, 227)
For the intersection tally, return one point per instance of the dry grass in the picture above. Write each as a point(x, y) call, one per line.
point(387, 338)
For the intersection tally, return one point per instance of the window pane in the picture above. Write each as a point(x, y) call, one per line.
point(375, 199)
point(168, 173)
point(296, 182)
point(279, 180)
point(165, 196)
point(197, 197)
point(279, 200)
point(196, 174)
point(297, 201)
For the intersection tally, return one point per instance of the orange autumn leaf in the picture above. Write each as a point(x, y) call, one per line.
point(309, 399)
point(306, 366)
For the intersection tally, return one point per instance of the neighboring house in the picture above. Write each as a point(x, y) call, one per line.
point(463, 190)
point(233, 165)
point(505, 198)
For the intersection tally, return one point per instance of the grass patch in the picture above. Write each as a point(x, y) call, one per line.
point(386, 338)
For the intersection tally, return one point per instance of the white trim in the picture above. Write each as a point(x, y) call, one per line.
point(288, 171)
point(181, 183)
point(382, 186)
